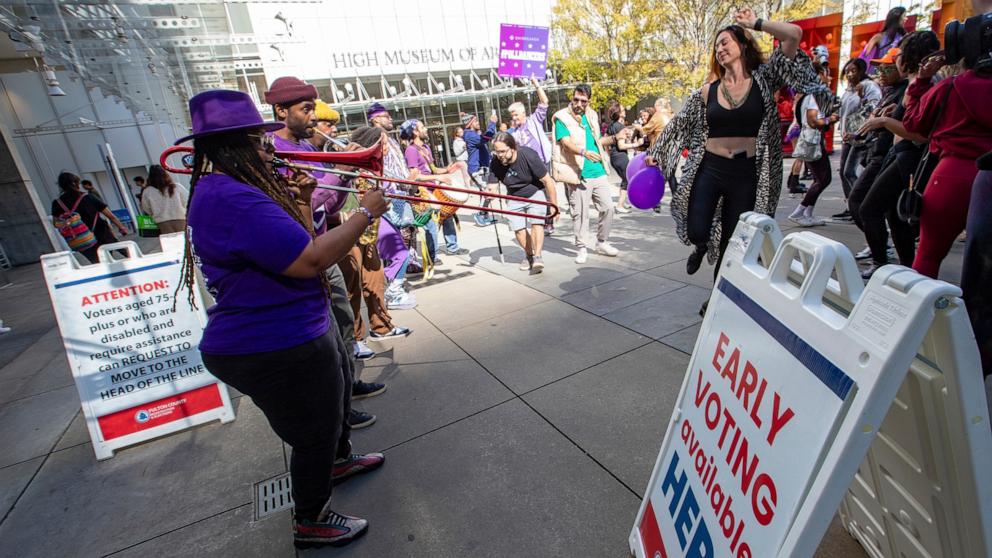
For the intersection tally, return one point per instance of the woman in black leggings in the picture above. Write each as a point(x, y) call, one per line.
point(731, 130)
point(879, 203)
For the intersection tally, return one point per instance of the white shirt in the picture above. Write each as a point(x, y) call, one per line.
point(164, 208)
point(460, 150)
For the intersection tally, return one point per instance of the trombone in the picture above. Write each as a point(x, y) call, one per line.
point(368, 159)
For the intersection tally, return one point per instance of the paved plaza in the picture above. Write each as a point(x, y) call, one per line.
point(522, 419)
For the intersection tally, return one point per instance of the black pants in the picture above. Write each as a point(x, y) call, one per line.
point(344, 316)
point(735, 181)
point(862, 185)
point(879, 206)
point(619, 162)
point(850, 160)
point(305, 394)
point(976, 274)
point(820, 169)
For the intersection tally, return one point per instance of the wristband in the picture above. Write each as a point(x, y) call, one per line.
point(757, 24)
point(367, 213)
point(583, 152)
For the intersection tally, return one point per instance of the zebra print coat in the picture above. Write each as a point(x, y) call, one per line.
point(689, 130)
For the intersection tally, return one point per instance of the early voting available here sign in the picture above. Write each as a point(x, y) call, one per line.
point(760, 407)
point(136, 361)
point(788, 384)
point(523, 51)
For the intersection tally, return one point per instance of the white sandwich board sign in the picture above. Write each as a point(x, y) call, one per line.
point(782, 397)
point(136, 362)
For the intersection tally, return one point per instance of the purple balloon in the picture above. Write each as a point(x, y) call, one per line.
point(646, 189)
point(636, 165)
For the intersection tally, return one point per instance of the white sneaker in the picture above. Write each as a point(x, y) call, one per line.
point(606, 249)
point(864, 254)
point(581, 256)
point(363, 351)
point(803, 221)
point(620, 209)
point(403, 301)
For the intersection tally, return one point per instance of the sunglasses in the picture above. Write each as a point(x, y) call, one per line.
point(263, 141)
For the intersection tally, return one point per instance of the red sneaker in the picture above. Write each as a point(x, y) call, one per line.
point(356, 464)
point(336, 530)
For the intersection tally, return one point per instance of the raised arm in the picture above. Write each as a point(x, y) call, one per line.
point(542, 97)
point(788, 34)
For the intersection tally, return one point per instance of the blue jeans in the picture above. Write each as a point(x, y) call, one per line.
point(450, 236)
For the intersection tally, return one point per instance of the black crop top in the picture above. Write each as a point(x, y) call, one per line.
point(742, 122)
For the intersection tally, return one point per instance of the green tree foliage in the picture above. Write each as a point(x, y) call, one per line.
point(632, 49)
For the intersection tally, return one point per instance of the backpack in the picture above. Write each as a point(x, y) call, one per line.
point(70, 224)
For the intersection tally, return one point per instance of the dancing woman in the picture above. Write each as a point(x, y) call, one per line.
point(893, 30)
point(270, 334)
point(731, 129)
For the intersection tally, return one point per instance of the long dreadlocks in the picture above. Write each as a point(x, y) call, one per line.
point(236, 156)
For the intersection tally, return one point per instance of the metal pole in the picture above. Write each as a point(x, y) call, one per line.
point(107, 154)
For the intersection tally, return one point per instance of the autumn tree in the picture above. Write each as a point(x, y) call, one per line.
point(633, 49)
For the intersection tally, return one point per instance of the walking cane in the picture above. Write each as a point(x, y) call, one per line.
point(499, 245)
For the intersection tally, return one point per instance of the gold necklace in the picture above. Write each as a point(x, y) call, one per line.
point(730, 99)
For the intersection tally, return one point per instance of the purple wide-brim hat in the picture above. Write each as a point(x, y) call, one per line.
point(222, 110)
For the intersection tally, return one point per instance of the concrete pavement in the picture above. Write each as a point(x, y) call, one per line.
point(523, 418)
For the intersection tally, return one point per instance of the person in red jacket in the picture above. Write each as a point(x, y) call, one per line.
point(954, 114)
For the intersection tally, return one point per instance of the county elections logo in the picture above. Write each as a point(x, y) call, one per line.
point(142, 416)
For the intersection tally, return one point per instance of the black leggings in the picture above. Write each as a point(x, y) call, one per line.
point(862, 185)
point(735, 181)
point(820, 169)
point(976, 273)
point(305, 393)
point(879, 206)
point(619, 162)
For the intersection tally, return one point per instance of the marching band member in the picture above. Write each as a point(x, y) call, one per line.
point(270, 333)
point(327, 128)
point(293, 102)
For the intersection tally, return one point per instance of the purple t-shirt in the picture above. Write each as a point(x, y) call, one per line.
point(419, 157)
point(242, 242)
point(323, 202)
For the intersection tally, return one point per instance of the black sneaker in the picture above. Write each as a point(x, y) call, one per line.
point(391, 334)
point(361, 390)
point(870, 270)
point(360, 419)
point(694, 261)
point(335, 530)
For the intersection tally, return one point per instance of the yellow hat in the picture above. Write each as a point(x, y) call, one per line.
point(323, 111)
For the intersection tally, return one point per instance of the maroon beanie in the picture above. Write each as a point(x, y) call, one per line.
point(288, 90)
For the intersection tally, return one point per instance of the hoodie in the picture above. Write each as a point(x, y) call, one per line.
point(963, 128)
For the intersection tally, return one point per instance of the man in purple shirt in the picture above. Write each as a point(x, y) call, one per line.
point(293, 103)
point(529, 130)
point(420, 161)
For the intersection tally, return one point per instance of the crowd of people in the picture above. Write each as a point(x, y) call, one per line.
point(287, 327)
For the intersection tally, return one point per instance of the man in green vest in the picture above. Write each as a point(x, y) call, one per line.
point(577, 161)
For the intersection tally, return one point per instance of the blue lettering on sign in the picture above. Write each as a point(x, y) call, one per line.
point(684, 510)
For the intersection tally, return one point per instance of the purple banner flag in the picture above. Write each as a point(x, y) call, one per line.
point(523, 51)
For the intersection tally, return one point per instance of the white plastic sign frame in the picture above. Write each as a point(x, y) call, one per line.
point(136, 363)
point(867, 355)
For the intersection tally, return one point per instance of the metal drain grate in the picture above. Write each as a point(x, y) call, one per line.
point(273, 495)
